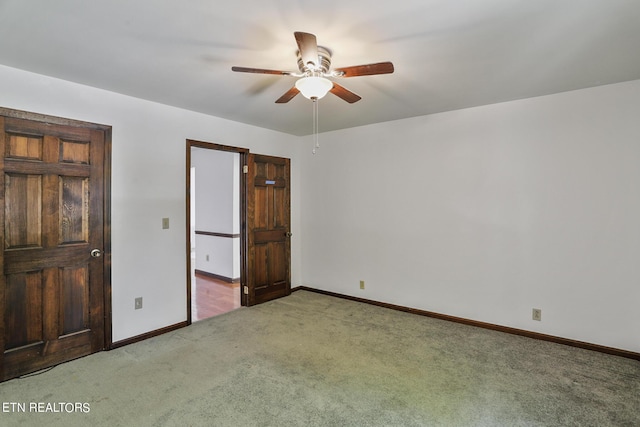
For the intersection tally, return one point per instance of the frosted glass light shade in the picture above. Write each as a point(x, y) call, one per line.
point(313, 87)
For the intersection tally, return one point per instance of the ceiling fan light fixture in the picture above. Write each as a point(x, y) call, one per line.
point(313, 87)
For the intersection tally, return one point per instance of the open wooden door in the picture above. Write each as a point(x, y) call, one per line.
point(53, 296)
point(268, 229)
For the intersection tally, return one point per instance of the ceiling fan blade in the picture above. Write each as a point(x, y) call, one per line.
point(308, 46)
point(344, 93)
point(365, 70)
point(260, 71)
point(288, 96)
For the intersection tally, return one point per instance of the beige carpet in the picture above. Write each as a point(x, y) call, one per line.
point(315, 360)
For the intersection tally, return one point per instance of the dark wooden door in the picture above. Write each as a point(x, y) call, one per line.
point(268, 229)
point(52, 299)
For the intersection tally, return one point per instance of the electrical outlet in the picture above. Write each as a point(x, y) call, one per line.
point(536, 314)
point(207, 257)
point(165, 223)
point(138, 305)
point(361, 284)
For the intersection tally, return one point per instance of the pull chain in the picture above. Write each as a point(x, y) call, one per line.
point(316, 144)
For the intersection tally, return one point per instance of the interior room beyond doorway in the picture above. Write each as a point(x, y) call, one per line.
point(214, 232)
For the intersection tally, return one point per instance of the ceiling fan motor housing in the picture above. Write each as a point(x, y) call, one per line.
point(324, 62)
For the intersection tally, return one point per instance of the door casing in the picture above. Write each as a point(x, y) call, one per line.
point(243, 152)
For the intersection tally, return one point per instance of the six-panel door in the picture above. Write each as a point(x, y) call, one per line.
point(51, 292)
point(268, 223)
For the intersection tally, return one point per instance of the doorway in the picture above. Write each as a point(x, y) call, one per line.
point(215, 242)
point(263, 215)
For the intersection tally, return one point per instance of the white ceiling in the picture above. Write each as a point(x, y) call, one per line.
point(448, 54)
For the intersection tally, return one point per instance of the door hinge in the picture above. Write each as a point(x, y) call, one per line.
point(245, 169)
point(246, 290)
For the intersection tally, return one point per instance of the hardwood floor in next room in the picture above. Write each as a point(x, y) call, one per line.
point(212, 297)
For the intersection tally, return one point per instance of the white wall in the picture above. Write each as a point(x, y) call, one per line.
point(148, 183)
point(481, 213)
point(486, 213)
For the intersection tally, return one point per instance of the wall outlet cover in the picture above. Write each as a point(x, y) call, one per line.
point(536, 314)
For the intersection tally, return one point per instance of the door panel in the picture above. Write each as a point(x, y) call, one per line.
point(52, 299)
point(23, 298)
point(74, 304)
point(23, 215)
point(268, 226)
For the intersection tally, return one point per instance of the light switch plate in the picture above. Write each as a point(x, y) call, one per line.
point(165, 223)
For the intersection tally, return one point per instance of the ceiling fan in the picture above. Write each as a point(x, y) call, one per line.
point(314, 64)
